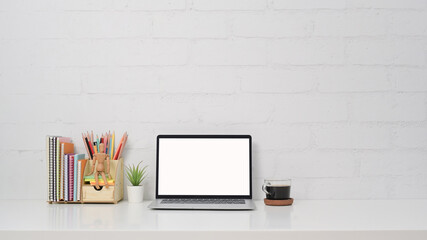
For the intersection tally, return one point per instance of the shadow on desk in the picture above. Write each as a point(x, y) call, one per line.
point(137, 216)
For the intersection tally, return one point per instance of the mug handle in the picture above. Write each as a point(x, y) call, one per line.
point(264, 189)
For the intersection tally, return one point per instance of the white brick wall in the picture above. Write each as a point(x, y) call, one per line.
point(333, 92)
point(229, 52)
point(309, 51)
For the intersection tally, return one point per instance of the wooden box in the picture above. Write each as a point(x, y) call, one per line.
point(111, 195)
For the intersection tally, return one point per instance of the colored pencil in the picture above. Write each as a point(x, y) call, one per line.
point(90, 149)
point(119, 147)
point(84, 143)
point(109, 142)
point(112, 146)
point(106, 143)
point(97, 143)
point(123, 145)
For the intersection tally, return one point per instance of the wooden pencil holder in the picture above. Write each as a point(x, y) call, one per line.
point(111, 195)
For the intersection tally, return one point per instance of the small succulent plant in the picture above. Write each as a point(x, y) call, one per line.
point(136, 174)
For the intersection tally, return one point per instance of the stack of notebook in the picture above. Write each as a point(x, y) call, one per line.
point(91, 180)
point(65, 170)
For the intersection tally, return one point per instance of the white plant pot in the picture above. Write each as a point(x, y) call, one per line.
point(135, 194)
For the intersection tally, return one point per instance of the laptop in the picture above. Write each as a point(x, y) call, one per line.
point(204, 172)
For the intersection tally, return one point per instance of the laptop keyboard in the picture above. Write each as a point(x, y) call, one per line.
point(202, 201)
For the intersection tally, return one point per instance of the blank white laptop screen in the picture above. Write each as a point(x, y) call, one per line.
point(204, 166)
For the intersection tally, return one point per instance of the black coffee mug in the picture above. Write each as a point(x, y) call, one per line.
point(277, 189)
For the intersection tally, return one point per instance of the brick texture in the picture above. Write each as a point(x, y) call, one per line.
point(333, 92)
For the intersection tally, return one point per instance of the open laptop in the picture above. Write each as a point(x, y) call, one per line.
point(204, 172)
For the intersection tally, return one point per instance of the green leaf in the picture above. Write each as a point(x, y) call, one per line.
point(135, 174)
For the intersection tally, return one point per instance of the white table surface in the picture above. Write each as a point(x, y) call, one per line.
point(306, 219)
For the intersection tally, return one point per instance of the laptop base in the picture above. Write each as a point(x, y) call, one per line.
point(157, 204)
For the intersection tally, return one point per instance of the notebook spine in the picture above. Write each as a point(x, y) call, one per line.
point(79, 179)
point(50, 191)
point(55, 139)
point(58, 170)
point(66, 178)
point(71, 177)
point(76, 158)
point(61, 176)
point(47, 168)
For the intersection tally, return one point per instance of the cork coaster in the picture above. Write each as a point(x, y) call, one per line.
point(284, 202)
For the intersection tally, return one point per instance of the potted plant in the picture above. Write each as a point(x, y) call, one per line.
point(136, 175)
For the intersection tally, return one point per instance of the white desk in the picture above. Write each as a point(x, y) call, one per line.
point(306, 219)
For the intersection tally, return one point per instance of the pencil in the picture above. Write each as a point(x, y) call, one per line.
point(106, 143)
point(84, 143)
point(90, 149)
point(97, 143)
point(95, 148)
point(112, 146)
point(123, 145)
point(119, 147)
point(109, 143)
